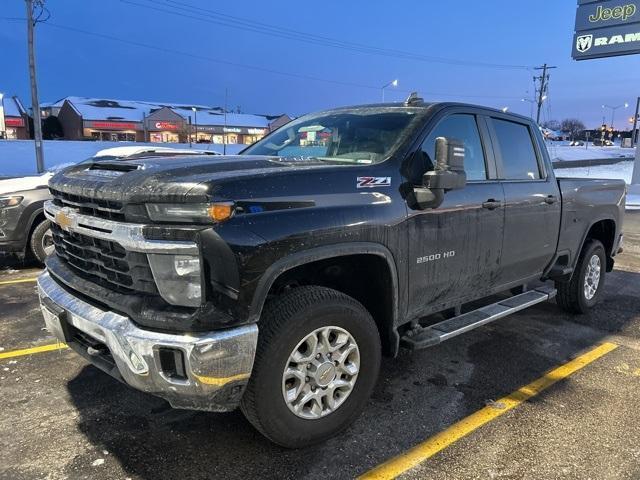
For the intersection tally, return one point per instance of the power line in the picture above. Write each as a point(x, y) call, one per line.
point(186, 10)
point(246, 66)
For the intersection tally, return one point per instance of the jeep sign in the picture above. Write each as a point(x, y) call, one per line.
point(606, 28)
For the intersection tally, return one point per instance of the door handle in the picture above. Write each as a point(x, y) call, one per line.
point(550, 199)
point(491, 204)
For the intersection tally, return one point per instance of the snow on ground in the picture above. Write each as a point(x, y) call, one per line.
point(562, 151)
point(621, 171)
point(18, 158)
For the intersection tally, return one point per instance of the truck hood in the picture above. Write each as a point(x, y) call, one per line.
point(170, 179)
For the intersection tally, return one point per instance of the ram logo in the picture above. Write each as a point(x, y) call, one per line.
point(584, 43)
point(371, 182)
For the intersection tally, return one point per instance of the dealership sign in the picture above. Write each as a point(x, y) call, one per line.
point(606, 28)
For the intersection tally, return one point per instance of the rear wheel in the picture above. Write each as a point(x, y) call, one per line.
point(584, 289)
point(41, 241)
point(316, 364)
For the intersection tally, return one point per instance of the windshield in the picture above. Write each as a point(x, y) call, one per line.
point(357, 136)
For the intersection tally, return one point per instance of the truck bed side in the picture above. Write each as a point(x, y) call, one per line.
point(589, 202)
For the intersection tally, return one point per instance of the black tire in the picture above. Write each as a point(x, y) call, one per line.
point(39, 235)
point(571, 295)
point(285, 322)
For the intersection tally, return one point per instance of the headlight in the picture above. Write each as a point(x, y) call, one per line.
point(10, 201)
point(190, 213)
point(177, 278)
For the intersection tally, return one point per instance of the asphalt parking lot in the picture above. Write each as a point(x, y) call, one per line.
point(460, 406)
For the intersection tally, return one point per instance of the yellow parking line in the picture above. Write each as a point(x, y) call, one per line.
point(29, 351)
point(22, 280)
point(421, 452)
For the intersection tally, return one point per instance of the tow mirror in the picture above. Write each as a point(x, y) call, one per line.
point(448, 174)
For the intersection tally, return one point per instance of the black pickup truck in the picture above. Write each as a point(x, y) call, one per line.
point(276, 279)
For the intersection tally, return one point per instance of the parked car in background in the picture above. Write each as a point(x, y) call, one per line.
point(599, 142)
point(24, 229)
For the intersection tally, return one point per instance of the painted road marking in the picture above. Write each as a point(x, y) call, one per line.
point(29, 351)
point(22, 280)
point(423, 451)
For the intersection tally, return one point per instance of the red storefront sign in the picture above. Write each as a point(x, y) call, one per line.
point(113, 125)
point(14, 122)
point(167, 126)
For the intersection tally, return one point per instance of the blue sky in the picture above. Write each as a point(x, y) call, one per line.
point(522, 32)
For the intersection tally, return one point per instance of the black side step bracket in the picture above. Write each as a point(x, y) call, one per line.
point(427, 337)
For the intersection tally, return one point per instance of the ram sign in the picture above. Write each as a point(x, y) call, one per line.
point(606, 28)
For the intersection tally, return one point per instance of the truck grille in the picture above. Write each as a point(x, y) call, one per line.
point(89, 206)
point(104, 262)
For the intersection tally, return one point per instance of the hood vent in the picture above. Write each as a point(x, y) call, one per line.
point(105, 169)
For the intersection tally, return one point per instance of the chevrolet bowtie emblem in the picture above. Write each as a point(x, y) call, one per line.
point(63, 220)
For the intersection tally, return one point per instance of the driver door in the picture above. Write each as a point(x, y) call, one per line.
point(455, 249)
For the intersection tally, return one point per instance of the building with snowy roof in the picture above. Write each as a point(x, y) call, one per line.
point(14, 119)
point(125, 120)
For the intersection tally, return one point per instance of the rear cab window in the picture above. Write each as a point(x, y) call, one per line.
point(517, 151)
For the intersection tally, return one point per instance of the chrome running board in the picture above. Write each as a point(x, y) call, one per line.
point(424, 337)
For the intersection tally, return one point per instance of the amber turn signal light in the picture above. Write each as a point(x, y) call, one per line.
point(220, 211)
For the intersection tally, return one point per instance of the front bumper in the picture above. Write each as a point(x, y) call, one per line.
point(209, 371)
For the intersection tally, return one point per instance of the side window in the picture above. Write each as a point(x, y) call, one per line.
point(461, 127)
point(518, 153)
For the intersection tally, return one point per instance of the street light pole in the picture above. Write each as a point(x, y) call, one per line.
point(635, 124)
point(35, 102)
point(613, 111)
point(532, 103)
point(195, 120)
point(392, 83)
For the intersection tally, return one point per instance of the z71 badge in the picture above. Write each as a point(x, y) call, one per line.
point(370, 182)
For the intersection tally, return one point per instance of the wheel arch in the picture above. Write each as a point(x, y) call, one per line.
point(603, 230)
point(371, 257)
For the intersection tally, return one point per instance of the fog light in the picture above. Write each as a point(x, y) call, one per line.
point(138, 364)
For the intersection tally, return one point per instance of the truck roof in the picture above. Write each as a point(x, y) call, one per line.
point(421, 104)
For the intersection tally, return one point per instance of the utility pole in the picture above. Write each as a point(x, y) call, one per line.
point(635, 176)
point(635, 124)
point(544, 87)
point(35, 102)
point(224, 129)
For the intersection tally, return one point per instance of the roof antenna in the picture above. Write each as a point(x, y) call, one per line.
point(412, 99)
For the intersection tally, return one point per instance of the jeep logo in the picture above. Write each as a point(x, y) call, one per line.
point(622, 12)
point(584, 43)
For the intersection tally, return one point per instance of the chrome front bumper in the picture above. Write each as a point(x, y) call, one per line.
point(215, 365)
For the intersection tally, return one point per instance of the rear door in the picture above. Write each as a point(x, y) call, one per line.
point(454, 250)
point(532, 214)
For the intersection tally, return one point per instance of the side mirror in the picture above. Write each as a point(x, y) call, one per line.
point(448, 175)
point(449, 170)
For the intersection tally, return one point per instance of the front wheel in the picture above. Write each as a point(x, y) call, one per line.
point(316, 364)
point(584, 289)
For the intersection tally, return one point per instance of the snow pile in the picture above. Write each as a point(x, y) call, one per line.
point(563, 152)
point(18, 158)
point(620, 171)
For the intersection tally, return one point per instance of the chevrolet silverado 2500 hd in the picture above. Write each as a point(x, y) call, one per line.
point(274, 280)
